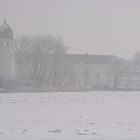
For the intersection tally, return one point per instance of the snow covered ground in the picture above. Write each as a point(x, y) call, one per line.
point(70, 116)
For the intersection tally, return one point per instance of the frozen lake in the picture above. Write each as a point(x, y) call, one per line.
point(70, 116)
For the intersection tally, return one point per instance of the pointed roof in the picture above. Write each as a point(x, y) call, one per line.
point(5, 31)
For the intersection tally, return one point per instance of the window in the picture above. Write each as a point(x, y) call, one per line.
point(7, 44)
point(1, 44)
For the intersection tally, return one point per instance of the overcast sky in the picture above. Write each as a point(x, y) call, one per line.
point(86, 26)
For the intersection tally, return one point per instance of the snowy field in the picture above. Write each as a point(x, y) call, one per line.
point(70, 116)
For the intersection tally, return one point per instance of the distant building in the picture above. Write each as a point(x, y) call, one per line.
point(87, 70)
point(93, 70)
point(7, 70)
point(64, 70)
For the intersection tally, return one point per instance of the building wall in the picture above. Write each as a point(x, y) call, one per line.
point(83, 75)
point(7, 70)
point(99, 75)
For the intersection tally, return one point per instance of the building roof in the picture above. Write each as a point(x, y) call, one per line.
point(5, 31)
point(89, 59)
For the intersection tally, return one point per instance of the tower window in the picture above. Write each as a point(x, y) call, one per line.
point(7, 44)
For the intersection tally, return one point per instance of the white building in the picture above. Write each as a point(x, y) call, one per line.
point(7, 44)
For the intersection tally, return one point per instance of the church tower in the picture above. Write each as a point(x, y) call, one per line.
point(6, 52)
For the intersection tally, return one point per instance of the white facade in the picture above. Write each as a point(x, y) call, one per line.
point(7, 59)
point(7, 65)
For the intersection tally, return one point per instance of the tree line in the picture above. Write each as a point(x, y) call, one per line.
point(37, 60)
point(39, 63)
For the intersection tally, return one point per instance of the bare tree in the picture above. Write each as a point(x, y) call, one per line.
point(35, 53)
point(86, 77)
point(136, 58)
point(118, 69)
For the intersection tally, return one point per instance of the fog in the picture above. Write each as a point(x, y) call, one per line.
point(86, 26)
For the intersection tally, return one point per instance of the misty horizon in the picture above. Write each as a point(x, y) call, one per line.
point(93, 27)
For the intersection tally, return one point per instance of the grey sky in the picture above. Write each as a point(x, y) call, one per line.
point(86, 26)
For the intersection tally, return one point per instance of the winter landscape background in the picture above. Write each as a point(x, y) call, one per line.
point(69, 70)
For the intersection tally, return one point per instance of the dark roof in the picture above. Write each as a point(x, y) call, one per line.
point(89, 59)
point(5, 31)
